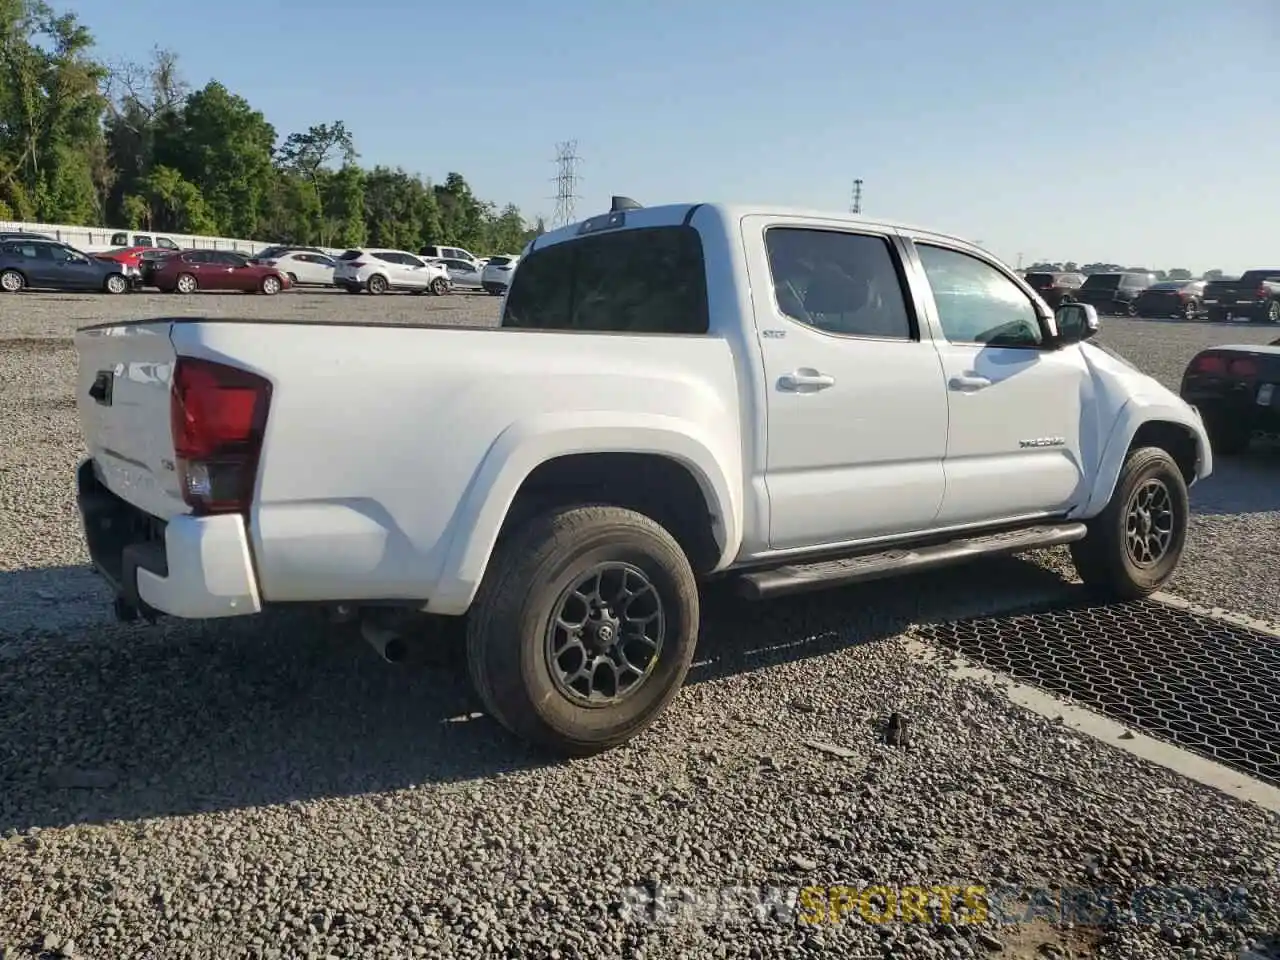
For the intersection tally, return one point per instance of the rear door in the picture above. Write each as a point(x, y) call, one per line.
point(122, 396)
point(856, 405)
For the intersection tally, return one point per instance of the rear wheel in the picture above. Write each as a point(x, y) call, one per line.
point(116, 283)
point(1134, 545)
point(271, 285)
point(186, 283)
point(293, 279)
point(439, 286)
point(1190, 310)
point(583, 628)
point(1273, 311)
point(11, 281)
point(378, 284)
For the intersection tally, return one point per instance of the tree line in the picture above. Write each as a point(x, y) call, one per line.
point(1070, 266)
point(130, 145)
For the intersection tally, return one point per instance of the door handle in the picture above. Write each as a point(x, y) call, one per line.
point(969, 383)
point(806, 378)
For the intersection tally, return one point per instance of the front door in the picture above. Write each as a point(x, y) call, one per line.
point(856, 406)
point(1015, 445)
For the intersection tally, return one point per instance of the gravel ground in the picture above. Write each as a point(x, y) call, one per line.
point(271, 789)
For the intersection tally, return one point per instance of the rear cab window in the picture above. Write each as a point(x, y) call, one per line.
point(649, 280)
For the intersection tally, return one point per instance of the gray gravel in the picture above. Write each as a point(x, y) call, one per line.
point(270, 789)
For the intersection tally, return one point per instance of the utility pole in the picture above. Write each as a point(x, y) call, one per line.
point(855, 205)
point(1019, 261)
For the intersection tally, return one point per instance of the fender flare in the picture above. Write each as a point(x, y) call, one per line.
point(1136, 413)
point(526, 444)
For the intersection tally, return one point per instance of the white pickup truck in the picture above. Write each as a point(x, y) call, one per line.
point(675, 393)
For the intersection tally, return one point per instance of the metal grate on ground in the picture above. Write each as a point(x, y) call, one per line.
point(1210, 687)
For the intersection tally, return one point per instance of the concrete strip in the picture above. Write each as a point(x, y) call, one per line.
point(1190, 765)
point(1217, 613)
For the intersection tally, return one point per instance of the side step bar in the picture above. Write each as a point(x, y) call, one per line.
point(800, 578)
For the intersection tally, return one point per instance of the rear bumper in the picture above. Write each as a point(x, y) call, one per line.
point(190, 567)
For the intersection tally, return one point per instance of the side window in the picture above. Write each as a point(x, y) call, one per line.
point(61, 254)
point(166, 243)
point(976, 302)
point(644, 280)
point(119, 239)
point(844, 283)
point(142, 240)
point(196, 256)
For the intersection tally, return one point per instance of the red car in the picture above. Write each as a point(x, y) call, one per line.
point(194, 270)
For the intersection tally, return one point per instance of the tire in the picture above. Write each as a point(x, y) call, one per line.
point(186, 283)
point(271, 285)
point(1273, 312)
point(527, 589)
point(439, 286)
point(1129, 309)
point(1104, 559)
point(293, 279)
point(1191, 310)
point(116, 284)
point(11, 281)
point(378, 284)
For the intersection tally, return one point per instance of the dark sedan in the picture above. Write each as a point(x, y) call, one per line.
point(194, 270)
point(1236, 388)
point(49, 265)
point(1172, 298)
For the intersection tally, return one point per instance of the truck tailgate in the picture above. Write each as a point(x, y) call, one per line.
point(122, 397)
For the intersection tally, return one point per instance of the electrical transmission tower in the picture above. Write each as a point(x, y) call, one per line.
point(566, 181)
point(855, 205)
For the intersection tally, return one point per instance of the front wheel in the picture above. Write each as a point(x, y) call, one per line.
point(1133, 547)
point(583, 629)
point(186, 284)
point(1191, 310)
point(271, 285)
point(439, 286)
point(1273, 311)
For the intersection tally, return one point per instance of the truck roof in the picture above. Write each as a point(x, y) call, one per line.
point(671, 214)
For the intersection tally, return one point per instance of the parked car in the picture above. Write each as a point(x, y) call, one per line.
point(1056, 288)
point(462, 273)
point(1236, 388)
point(568, 480)
point(1255, 297)
point(496, 276)
point(380, 271)
point(147, 263)
point(194, 270)
point(451, 253)
point(1114, 293)
point(24, 235)
point(279, 250)
point(1172, 298)
point(50, 265)
point(302, 268)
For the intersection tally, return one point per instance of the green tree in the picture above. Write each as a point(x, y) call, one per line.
point(176, 204)
point(224, 147)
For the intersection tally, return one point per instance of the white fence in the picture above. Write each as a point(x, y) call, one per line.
point(101, 237)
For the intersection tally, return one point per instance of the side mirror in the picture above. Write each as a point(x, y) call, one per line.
point(1076, 322)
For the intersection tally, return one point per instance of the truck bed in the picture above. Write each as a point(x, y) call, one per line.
point(381, 441)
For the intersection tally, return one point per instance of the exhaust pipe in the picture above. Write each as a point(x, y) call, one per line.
point(389, 643)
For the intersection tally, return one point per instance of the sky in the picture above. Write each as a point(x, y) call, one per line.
point(1140, 132)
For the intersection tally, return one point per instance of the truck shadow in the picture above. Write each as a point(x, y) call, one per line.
point(101, 722)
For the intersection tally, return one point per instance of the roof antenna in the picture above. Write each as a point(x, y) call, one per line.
point(624, 203)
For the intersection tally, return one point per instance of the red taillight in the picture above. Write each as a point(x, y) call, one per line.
point(1244, 368)
point(217, 415)
point(1262, 292)
point(1209, 364)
